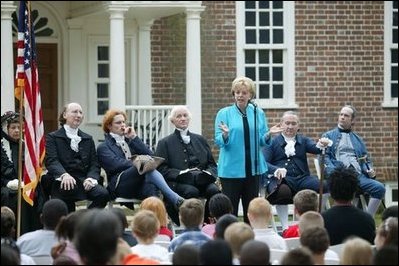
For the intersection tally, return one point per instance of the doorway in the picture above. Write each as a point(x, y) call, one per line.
point(47, 63)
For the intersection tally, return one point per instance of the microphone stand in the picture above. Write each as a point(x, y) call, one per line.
point(256, 133)
point(323, 156)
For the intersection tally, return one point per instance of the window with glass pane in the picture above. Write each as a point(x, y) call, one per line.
point(102, 79)
point(264, 27)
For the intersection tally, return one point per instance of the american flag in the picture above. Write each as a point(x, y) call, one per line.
point(27, 80)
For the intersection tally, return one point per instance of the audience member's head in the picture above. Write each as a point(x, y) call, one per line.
point(310, 219)
point(222, 223)
point(53, 211)
point(216, 252)
point(145, 226)
point(391, 211)
point(158, 207)
point(125, 234)
point(219, 204)
point(65, 228)
point(186, 254)
point(120, 214)
point(305, 200)
point(236, 235)
point(259, 212)
point(343, 183)
point(387, 233)
point(96, 236)
point(298, 256)
point(255, 252)
point(386, 255)
point(316, 239)
point(356, 251)
point(7, 222)
point(9, 252)
point(191, 213)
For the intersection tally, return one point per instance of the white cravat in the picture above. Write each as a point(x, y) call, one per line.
point(120, 141)
point(72, 133)
point(290, 147)
point(184, 135)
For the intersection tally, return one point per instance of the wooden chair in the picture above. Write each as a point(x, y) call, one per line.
point(318, 172)
point(359, 196)
point(122, 201)
point(119, 200)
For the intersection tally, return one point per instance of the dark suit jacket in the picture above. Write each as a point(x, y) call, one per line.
point(176, 158)
point(8, 172)
point(276, 158)
point(60, 158)
point(112, 158)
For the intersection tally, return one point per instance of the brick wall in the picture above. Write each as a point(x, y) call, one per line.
point(339, 60)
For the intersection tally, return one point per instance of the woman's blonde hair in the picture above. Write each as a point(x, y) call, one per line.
point(246, 82)
point(157, 206)
point(356, 251)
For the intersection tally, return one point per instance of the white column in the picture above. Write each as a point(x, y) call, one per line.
point(144, 66)
point(193, 68)
point(7, 61)
point(117, 97)
point(77, 75)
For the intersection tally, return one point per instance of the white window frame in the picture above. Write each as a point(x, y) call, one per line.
point(93, 43)
point(288, 47)
point(389, 101)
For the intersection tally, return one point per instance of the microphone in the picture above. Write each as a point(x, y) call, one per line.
point(253, 103)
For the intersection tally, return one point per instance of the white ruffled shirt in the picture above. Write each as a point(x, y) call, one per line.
point(290, 147)
point(120, 141)
point(184, 135)
point(72, 133)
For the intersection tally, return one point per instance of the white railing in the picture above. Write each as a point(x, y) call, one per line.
point(150, 122)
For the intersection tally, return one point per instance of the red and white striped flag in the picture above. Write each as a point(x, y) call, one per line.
point(28, 81)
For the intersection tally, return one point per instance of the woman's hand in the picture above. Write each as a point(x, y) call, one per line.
point(130, 133)
point(225, 129)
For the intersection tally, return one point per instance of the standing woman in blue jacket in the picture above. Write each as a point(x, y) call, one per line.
point(240, 131)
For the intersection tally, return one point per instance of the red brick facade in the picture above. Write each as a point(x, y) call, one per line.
point(339, 49)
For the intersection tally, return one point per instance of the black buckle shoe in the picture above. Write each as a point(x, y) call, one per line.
point(179, 203)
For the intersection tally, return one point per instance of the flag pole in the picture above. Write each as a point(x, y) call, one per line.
point(21, 93)
point(20, 151)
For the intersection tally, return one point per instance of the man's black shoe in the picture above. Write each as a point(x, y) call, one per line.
point(179, 203)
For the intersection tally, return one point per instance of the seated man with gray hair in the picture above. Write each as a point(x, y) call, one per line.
point(189, 167)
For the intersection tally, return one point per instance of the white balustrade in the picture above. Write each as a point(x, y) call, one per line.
point(150, 122)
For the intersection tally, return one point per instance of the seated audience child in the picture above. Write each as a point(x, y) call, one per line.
point(145, 227)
